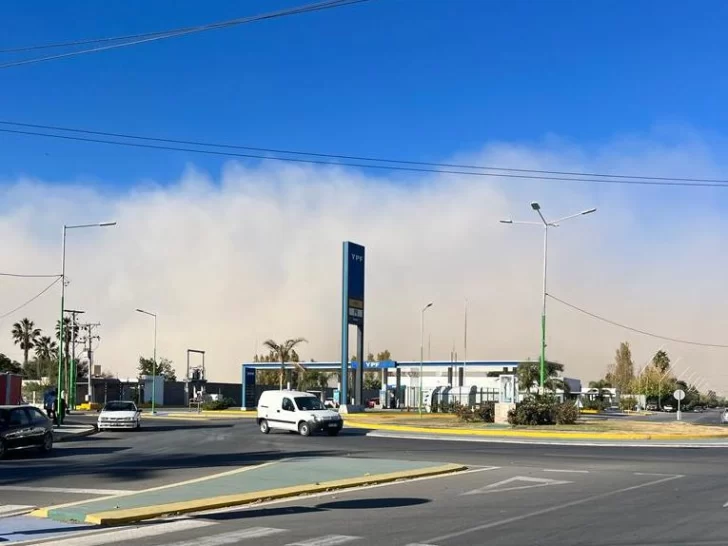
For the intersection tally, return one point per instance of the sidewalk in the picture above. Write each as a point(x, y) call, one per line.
point(274, 480)
point(66, 433)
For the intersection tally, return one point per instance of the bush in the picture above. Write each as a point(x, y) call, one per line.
point(485, 413)
point(535, 412)
point(216, 405)
point(596, 404)
point(566, 413)
point(627, 403)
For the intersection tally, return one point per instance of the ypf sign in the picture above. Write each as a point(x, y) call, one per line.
point(354, 283)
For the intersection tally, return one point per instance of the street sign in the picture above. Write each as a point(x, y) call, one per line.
point(679, 394)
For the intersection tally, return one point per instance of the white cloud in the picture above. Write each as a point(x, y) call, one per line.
point(255, 253)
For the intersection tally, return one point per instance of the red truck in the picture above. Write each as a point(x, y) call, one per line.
point(11, 387)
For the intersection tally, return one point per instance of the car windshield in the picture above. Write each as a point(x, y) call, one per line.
point(309, 403)
point(120, 406)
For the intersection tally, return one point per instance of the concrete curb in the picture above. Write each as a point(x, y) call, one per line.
point(73, 436)
point(531, 434)
point(198, 505)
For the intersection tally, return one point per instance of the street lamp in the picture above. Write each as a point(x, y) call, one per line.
point(546, 225)
point(154, 357)
point(61, 332)
point(422, 348)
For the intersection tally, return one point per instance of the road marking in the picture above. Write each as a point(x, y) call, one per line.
point(564, 470)
point(551, 509)
point(654, 474)
point(135, 533)
point(328, 540)
point(14, 509)
point(499, 487)
point(343, 492)
point(229, 538)
point(545, 442)
point(69, 490)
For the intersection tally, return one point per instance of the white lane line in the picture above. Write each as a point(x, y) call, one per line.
point(653, 474)
point(232, 537)
point(134, 534)
point(11, 509)
point(328, 540)
point(69, 490)
point(342, 492)
point(550, 509)
point(541, 443)
point(565, 470)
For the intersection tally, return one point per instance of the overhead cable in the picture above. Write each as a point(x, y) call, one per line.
point(637, 330)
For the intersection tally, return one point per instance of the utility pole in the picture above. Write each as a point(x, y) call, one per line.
point(71, 366)
point(88, 344)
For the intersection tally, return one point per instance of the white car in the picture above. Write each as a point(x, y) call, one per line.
point(724, 417)
point(119, 414)
point(295, 411)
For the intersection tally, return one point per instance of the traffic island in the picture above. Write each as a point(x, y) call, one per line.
point(447, 425)
point(269, 481)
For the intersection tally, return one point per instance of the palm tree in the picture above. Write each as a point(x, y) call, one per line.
point(529, 376)
point(25, 334)
point(284, 352)
point(46, 352)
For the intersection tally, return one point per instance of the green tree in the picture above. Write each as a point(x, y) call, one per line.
point(284, 352)
point(384, 355)
point(661, 361)
point(529, 375)
point(315, 379)
point(46, 357)
point(9, 365)
point(25, 334)
point(164, 368)
point(372, 381)
point(621, 374)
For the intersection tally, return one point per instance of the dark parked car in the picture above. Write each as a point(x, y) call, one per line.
point(23, 427)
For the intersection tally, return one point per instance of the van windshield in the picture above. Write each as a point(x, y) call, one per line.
point(309, 403)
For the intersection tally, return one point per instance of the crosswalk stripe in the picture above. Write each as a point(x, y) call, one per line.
point(328, 540)
point(9, 509)
point(229, 538)
point(134, 533)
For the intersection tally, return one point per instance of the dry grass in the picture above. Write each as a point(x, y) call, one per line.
point(611, 426)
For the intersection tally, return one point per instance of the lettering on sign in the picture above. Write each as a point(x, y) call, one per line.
point(357, 258)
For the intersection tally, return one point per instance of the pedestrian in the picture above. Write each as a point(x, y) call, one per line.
point(49, 404)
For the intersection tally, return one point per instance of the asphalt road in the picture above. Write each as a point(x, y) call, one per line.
point(514, 495)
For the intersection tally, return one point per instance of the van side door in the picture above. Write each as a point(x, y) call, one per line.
point(288, 417)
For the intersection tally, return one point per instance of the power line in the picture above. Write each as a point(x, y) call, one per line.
point(31, 300)
point(357, 158)
point(135, 39)
point(389, 167)
point(636, 330)
point(18, 275)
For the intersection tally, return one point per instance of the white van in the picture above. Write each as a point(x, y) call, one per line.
point(296, 411)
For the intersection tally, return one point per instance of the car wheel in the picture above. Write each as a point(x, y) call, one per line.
point(304, 429)
point(333, 432)
point(47, 444)
point(264, 428)
point(139, 424)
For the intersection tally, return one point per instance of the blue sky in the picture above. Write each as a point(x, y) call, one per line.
point(418, 79)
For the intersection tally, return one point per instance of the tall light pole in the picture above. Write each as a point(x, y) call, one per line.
point(546, 225)
point(61, 332)
point(465, 343)
point(422, 348)
point(154, 357)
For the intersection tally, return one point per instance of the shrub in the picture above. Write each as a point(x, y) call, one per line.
point(535, 412)
point(566, 413)
point(215, 405)
point(596, 404)
point(627, 403)
point(485, 413)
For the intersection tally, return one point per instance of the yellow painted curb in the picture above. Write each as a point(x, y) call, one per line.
point(43, 512)
point(198, 505)
point(532, 433)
